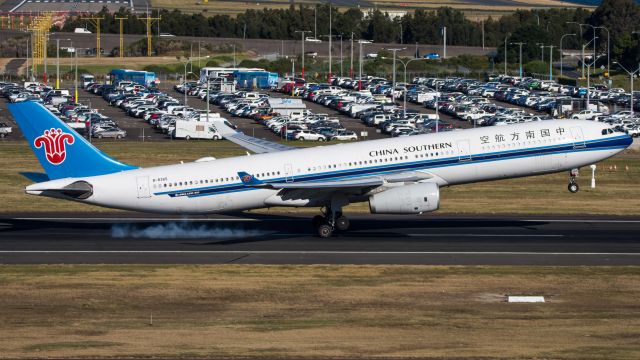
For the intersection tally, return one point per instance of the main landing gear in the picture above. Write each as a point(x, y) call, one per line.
point(573, 183)
point(329, 222)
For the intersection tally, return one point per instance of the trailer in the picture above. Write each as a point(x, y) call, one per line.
point(255, 79)
point(286, 106)
point(185, 129)
point(146, 78)
point(211, 73)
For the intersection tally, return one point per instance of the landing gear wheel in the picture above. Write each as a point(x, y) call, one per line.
point(325, 231)
point(342, 223)
point(318, 220)
point(573, 188)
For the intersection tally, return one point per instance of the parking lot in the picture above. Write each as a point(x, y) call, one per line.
point(330, 111)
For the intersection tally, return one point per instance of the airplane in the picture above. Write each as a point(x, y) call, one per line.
point(396, 176)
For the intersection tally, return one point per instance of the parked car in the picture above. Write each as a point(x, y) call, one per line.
point(345, 135)
point(109, 132)
point(303, 135)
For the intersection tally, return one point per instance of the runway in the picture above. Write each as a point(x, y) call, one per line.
point(373, 239)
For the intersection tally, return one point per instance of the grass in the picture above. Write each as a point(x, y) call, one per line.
point(318, 312)
point(617, 179)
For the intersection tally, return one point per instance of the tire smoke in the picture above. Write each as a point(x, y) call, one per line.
point(176, 230)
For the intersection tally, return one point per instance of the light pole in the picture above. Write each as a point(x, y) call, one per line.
point(185, 62)
point(505, 54)
point(360, 42)
point(608, 49)
point(561, 52)
point(58, 62)
point(520, 44)
point(405, 64)
point(75, 81)
point(393, 83)
point(551, 61)
point(588, 71)
point(631, 76)
point(541, 51)
point(330, 75)
point(582, 55)
point(302, 32)
point(437, 99)
point(594, 41)
point(351, 64)
point(330, 38)
point(341, 58)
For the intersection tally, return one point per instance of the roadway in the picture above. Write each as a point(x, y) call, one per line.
point(283, 239)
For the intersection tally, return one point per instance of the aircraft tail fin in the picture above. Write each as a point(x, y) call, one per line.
point(62, 152)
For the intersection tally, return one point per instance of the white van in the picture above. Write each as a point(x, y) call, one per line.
point(86, 80)
point(185, 129)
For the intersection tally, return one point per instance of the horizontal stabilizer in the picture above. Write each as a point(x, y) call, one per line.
point(35, 177)
point(256, 145)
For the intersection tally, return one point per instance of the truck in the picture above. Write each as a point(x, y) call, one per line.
point(187, 130)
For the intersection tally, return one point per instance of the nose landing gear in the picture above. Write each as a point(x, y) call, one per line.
point(573, 183)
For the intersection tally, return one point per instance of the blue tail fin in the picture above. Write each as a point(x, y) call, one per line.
point(62, 152)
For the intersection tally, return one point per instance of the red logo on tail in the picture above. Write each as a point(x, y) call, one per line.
point(54, 145)
point(246, 178)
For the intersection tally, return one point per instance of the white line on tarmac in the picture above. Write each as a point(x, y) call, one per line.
point(432, 235)
point(311, 252)
point(306, 219)
point(141, 219)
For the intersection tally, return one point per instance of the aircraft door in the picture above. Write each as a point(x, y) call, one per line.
point(464, 151)
point(143, 187)
point(578, 138)
point(288, 173)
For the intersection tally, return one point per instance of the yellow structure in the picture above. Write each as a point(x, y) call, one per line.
point(39, 29)
point(95, 21)
point(149, 20)
point(121, 50)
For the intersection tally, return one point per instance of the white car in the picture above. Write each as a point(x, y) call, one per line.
point(586, 115)
point(634, 132)
point(476, 115)
point(345, 135)
point(303, 135)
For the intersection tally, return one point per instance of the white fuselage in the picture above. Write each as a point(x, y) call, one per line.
point(448, 158)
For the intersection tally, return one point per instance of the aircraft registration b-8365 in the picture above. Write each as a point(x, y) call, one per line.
point(396, 176)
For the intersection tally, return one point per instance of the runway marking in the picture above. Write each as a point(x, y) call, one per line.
point(427, 235)
point(313, 252)
point(306, 219)
point(145, 219)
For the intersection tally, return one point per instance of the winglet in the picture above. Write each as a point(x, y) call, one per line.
point(249, 180)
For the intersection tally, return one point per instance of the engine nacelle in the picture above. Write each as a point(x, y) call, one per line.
point(407, 199)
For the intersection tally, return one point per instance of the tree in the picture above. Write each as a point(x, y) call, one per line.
point(621, 18)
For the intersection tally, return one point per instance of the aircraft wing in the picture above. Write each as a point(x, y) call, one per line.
point(250, 143)
point(363, 182)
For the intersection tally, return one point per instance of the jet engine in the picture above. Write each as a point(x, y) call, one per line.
point(406, 199)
